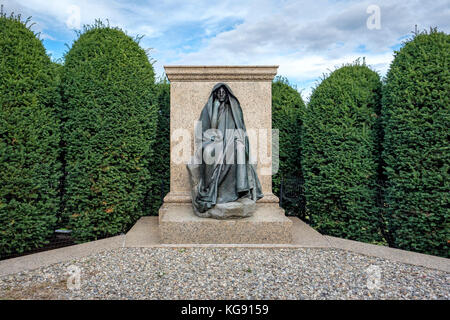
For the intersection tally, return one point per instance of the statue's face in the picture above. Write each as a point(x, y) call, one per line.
point(221, 94)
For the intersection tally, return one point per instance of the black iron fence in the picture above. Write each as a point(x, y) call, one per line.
point(292, 198)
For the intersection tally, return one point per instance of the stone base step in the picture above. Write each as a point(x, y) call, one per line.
point(179, 224)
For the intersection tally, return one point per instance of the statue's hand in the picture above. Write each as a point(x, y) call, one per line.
point(212, 135)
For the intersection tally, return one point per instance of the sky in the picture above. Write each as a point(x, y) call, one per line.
point(306, 39)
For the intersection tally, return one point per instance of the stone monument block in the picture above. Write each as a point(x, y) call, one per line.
point(263, 222)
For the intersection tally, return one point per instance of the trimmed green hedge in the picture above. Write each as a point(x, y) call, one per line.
point(160, 162)
point(29, 139)
point(341, 154)
point(416, 117)
point(109, 131)
point(288, 110)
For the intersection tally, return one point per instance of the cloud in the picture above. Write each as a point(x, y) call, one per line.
point(305, 38)
point(306, 46)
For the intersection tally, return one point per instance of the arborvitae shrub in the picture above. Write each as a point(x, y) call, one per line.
point(29, 138)
point(288, 111)
point(416, 118)
point(341, 154)
point(109, 130)
point(160, 162)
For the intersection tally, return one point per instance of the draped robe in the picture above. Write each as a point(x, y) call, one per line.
point(223, 135)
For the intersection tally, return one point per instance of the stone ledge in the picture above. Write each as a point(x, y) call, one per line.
point(393, 254)
point(222, 73)
point(45, 258)
point(185, 197)
point(179, 224)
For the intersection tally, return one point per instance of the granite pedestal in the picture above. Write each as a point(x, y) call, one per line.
point(179, 224)
point(190, 87)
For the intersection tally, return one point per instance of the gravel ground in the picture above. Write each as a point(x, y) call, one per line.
point(229, 273)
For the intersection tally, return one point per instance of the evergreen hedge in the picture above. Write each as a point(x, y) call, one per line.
point(160, 162)
point(109, 130)
point(416, 118)
point(341, 154)
point(288, 110)
point(29, 139)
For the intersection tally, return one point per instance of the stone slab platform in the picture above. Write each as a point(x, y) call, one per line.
point(145, 234)
point(179, 224)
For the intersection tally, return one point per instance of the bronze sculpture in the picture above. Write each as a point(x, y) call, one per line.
point(224, 183)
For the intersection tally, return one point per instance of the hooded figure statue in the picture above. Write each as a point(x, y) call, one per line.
point(224, 183)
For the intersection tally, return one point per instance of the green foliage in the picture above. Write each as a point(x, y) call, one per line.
point(29, 138)
point(160, 162)
point(341, 154)
point(416, 118)
point(109, 130)
point(288, 110)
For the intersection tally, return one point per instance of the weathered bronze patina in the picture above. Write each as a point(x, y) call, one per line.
point(224, 183)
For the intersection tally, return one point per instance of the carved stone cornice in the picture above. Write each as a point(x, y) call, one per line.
point(220, 73)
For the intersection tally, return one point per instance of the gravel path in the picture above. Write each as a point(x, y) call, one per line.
point(229, 273)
